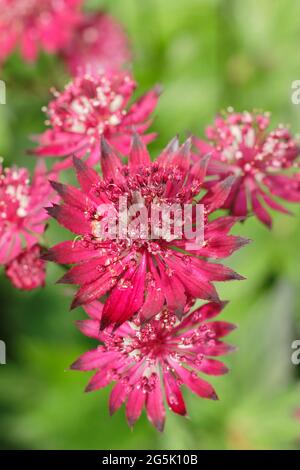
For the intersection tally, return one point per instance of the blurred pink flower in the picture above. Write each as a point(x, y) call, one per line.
point(263, 161)
point(35, 24)
point(90, 107)
point(22, 213)
point(27, 271)
point(297, 413)
point(99, 43)
point(141, 274)
point(155, 360)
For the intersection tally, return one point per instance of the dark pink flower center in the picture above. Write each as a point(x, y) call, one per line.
point(150, 189)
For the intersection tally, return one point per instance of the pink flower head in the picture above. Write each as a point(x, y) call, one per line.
point(90, 107)
point(263, 161)
point(99, 43)
point(34, 24)
point(138, 273)
point(150, 362)
point(22, 213)
point(27, 271)
point(297, 414)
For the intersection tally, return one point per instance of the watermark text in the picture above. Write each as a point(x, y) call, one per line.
point(2, 92)
point(2, 352)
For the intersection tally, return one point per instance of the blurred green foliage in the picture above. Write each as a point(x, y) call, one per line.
point(207, 54)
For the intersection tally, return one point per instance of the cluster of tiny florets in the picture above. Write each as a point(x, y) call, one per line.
point(22, 223)
point(90, 105)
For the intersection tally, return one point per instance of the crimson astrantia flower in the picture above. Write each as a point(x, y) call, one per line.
point(22, 213)
point(140, 274)
point(98, 43)
point(90, 107)
point(149, 362)
point(263, 161)
point(27, 271)
point(34, 24)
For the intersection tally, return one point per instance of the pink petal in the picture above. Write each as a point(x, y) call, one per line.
point(60, 149)
point(89, 328)
point(70, 218)
point(218, 194)
point(212, 367)
point(274, 205)
point(69, 252)
point(117, 397)
point(154, 302)
point(203, 146)
point(211, 310)
point(195, 383)
point(201, 314)
point(192, 278)
point(126, 298)
point(94, 310)
point(222, 247)
point(134, 405)
point(240, 204)
point(154, 294)
point(283, 186)
point(103, 377)
point(217, 272)
point(173, 290)
point(180, 157)
point(110, 163)
point(260, 211)
point(217, 349)
point(94, 290)
point(221, 328)
point(221, 225)
point(87, 177)
point(139, 155)
point(168, 152)
point(71, 195)
point(141, 110)
point(173, 394)
point(199, 170)
point(86, 272)
point(155, 406)
point(94, 359)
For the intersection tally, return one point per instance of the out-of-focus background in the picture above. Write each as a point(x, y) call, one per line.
point(207, 54)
